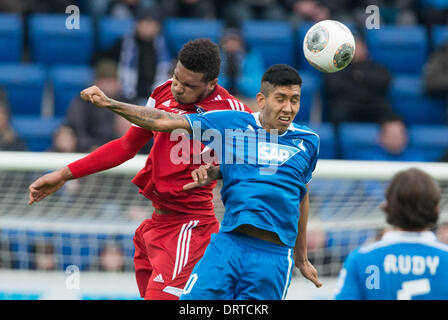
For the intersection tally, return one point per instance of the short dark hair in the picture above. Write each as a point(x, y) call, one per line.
point(391, 117)
point(412, 200)
point(201, 55)
point(279, 75)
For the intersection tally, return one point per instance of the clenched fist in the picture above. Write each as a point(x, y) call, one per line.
point(94, 95)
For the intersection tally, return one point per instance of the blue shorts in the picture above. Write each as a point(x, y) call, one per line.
point(239, 267)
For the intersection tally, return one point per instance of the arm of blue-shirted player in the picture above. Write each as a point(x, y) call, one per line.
point(148, 118)
point(300, 249)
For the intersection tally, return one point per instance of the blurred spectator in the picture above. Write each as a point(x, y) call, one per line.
point(204, 9)
point(47, 6)
point(12, 6)
point(43, 256)
point(9, 141)
point(358, 93)
point(121, 126)
point(433, 13)
point(92, 126)
point(435, 72)
point(142, 57)
point(442, 232)
point(307, 10)
point(64, 140)
point(112, 258)
point(235, 12)
point(393, 143)
point(128, 8)
point(241, 69)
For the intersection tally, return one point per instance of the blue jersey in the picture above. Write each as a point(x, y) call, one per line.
point(401, 266)
point(264, 175)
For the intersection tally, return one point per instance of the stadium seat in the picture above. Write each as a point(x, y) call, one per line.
point(36, 131)
point(401, 49)
point(311, 86)
point(435, 4)
point(24, 85)
point(111, 29)
point(357, 139)
point(431, 140)
point(178, 31)
point(52, 43)
point(327, 139)
point(439, 36)
point(67, 82)
point(409, 101)
point(273, 39)
point(11, 37)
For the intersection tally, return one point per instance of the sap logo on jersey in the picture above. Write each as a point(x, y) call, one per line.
point(275, 154)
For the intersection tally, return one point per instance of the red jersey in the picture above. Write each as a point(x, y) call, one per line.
point(161, 180)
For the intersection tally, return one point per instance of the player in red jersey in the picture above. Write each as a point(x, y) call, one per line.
point(168, 245)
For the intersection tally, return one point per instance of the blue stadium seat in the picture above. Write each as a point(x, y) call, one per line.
point(431, 140)
point(327, 139)
point(52, 43)
point(400, 48)
point(24, 85)
point(300, 36)
point(435, 4)
point(409, 101)
point(273, 39)
point(357, 139)
point(68, 81)
point(311, 86)
point(178, 31)
point(111, 29)
point(11, 37)
point(36, 131)
point(439, 36)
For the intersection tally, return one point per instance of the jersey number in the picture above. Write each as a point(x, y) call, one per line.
point(190, 283)
point(413, 288)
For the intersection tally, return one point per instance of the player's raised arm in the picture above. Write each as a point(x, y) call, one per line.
point(148, 118)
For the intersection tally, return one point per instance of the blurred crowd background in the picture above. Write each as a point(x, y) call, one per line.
point(389, 104)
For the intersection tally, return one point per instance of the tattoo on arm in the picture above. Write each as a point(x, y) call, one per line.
point(149, 118)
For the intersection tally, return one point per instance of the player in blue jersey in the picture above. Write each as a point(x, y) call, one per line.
point(266, 162)
point(408, 262)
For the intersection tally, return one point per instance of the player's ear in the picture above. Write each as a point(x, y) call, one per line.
point(261, 100)
point(212, 84)
point(384, 206)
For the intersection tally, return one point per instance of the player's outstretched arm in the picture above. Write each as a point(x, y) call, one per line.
point(149, 118)
point(48, 184)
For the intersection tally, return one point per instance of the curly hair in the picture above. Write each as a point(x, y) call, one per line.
point(412, 200)
point(201, 55)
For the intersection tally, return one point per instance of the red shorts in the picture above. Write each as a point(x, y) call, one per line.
point(167, 247)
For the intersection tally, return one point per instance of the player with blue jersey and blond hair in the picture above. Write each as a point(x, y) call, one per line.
point(266, 162)
point(408, 262)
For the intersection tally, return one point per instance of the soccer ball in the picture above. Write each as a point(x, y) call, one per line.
point(329, 46)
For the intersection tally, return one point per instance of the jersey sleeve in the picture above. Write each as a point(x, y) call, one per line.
point(313, 161)
point(349, 286)
point(213, 120)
